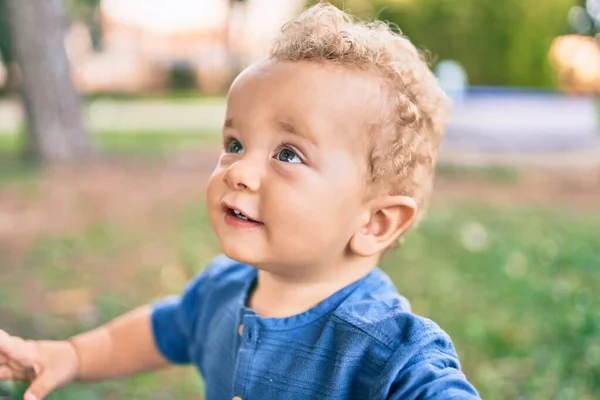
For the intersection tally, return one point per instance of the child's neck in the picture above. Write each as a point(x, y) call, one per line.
point(279, 296)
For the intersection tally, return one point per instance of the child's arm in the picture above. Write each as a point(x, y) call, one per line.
point(122, 347)
point(425, 368)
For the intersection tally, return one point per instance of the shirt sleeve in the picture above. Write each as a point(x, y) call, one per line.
point(174, 320)
point(427, 370)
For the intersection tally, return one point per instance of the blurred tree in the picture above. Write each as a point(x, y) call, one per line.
point(82, 7)
point(499, 42)
point(6, 54)
point(5, 47)
point(86, 11)
point(53, 108)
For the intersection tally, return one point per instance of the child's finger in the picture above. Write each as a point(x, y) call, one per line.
point(41, 387)
point(7, 374)
point(5, 341)
point(16, 349)
point(3, 337)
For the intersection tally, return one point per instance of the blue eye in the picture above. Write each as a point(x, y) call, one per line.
point(234, 146)
point(288, 156)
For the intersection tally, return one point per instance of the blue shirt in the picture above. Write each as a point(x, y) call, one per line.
point(360, 343)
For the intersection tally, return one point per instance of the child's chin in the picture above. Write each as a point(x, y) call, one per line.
point(243, 253)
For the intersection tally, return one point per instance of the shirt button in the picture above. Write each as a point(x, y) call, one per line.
point(240, 331)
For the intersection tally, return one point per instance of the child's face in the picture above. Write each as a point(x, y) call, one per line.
point(295, 160)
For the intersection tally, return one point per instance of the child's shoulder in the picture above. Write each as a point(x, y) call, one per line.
point(413, 355)
point(379, 311)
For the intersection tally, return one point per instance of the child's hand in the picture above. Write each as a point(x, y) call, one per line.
point(48, 365)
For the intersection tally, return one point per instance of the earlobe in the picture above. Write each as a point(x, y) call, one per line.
point(390, 217)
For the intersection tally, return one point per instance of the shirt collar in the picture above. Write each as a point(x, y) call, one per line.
point(323, 308)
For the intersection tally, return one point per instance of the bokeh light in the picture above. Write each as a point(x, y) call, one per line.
point(593, 8)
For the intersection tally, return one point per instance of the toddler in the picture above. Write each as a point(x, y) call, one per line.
point(329, 147)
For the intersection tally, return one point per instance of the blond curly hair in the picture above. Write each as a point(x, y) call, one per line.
point(404, 146)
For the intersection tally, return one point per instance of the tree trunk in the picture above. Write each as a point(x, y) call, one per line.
point(13, 77)
point(55, 128)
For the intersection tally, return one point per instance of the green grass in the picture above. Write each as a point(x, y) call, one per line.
point(126, 142)
point(12, 167)
point(172, 96)
point(153, 144)
point(83, 260)
point(130, 144)
point(147, 386)
point(492, 173)
point(516, 289)
point(182, 96)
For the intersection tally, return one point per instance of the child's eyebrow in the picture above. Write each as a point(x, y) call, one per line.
point(290, 127)
point(284, 125)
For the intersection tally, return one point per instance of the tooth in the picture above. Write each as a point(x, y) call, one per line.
point(239, 215)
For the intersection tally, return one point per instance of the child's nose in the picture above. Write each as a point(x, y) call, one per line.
point(244, 175)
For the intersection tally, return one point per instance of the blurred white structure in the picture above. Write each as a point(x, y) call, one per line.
point(453, 78)
point(593, 8)
point(522, 121)
point(142, 39)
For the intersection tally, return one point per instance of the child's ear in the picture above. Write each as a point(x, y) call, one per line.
point(390, 216)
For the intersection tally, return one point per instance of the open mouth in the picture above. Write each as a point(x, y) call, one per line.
point(237, 214)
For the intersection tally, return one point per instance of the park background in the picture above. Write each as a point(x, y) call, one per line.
point(110, 113)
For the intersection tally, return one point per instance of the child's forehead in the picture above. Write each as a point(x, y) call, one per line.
point(312, 92)
point(310, 75)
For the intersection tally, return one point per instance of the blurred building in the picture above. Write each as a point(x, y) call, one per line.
point(143, 41)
